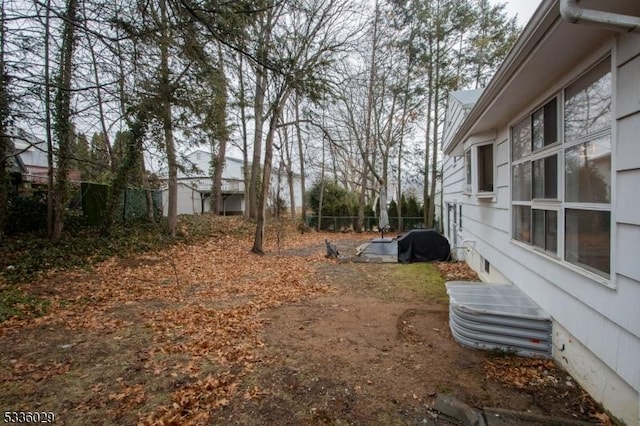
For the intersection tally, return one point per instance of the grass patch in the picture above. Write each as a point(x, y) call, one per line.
point(15, 303)
point(423, 278)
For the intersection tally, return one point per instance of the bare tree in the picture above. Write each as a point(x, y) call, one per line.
point(316, 32)
point(221, 132)
point(62, 114)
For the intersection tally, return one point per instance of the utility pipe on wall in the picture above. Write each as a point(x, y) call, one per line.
point(575, 14)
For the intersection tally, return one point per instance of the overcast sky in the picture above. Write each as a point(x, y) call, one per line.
point(523, 8)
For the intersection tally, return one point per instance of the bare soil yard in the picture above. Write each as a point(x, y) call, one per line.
point(210, 334)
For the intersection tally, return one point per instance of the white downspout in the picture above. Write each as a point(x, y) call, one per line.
point(575, 14)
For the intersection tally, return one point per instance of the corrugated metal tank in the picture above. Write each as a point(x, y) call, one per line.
point(498, 317)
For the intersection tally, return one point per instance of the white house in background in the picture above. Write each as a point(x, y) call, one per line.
point(542, 186)
point(194, 186)
point(32, 152)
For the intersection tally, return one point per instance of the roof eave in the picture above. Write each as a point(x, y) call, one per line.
point(543, 18)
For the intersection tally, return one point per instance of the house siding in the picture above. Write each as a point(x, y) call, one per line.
point(596, 326)
point(196, 186)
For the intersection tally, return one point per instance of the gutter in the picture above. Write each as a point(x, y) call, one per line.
point(570, 11)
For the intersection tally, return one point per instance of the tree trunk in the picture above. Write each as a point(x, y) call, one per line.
point(427, 134)
point(403, 124)
point(258, 111)
point(365, 168)
point(64, 129)
point(257, 141)
point(288, 147)
point(221, 134)
point(48, 124)
point(246, 174)
point(321, 196)
point(266, 177)
point(167, 123)
point(5, 145)
point(147, 190)
point(436, 125)
point(303, 202)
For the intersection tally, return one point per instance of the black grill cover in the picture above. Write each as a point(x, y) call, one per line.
point(423, 245)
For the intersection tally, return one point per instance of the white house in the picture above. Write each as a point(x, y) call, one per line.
point(195, 183)
point(542, 186)
point(32, 153)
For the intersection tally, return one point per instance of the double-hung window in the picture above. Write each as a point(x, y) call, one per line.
point(561, 174)
point(534, 178)
point(587, 164)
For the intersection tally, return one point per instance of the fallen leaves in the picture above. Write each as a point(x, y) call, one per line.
point(545, 382)
point(522, 373)
point(35, 371)
point(456, 271)
point(201, 303)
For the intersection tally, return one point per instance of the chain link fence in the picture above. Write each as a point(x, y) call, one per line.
point(349, 223)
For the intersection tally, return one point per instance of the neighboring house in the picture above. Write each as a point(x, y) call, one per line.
point(32, 153)
point(195, 184)
point(541, 187)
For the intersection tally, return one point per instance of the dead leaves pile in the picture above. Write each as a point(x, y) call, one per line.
point(541, 377)
point(523, 373)
point(456, 271)
point(202, 305)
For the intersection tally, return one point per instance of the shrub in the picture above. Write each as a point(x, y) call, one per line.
point(26, 213)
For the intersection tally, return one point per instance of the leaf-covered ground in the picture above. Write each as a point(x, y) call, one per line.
point(203, 332)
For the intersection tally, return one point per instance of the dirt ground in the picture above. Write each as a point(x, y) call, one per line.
point(202, 335)
point(379, 349)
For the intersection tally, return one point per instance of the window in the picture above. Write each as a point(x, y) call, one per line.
point(545, 229)
point(587, 174)
point(479, 170)
point(485, 168)
point(467, 168)
point(545, 177)
point(544, 125)
point(578, 218)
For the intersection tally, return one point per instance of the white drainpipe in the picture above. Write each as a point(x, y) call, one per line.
point(575, 14)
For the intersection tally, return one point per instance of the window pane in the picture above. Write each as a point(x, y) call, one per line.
point(522, 223)
point(485, 168)
point(587, 107)
point(521, 182)
point(551, 231)
point(467, 165)
point(537, 131)
point(538, 228)
point(521, 139)
point(545, 229)
point(545, 125)
point(587, 242)
point(545, 178)
point(588, 172)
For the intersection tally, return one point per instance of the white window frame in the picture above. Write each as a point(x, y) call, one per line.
point(560, 205)
point(472, 170)
point(479, 192)
point(468, 171)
